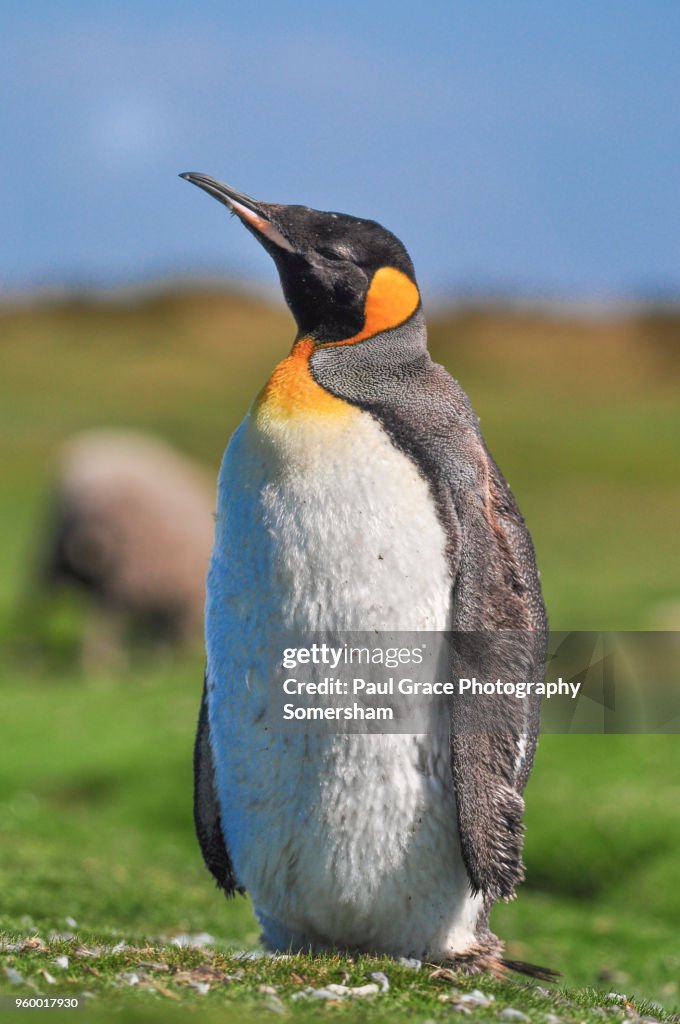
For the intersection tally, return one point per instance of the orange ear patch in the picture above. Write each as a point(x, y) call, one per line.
point(391, 299)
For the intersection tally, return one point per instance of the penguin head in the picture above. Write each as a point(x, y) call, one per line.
point(344, 278)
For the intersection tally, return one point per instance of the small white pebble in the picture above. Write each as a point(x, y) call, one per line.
point(411, 963)
point(274, 1005)
point(361, 991)
point(185, 941)
point(119, 947)
point(323, 993)
point(382, 980)
point(130, 977)
point(509, 1014)
point(268, 990)
point(476, 998)
point(71, 922)
point(13, 976)
point(61, 961)
point(202, 987)
point(48, 977)
point(552, 1018)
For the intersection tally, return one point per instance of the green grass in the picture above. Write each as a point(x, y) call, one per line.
point(96, 819)
point(95, 773)
point(160, 980)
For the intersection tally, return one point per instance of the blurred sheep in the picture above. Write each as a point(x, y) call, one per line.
point(132, 525)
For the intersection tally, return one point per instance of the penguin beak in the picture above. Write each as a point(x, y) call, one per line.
point(252, 214)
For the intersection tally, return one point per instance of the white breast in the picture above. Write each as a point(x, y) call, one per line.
point(341, 840)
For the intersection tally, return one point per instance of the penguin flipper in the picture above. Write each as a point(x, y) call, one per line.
point(490, 809)
point(501, 633)
point(207, 818)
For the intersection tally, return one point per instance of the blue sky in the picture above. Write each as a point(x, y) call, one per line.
point(530, 146)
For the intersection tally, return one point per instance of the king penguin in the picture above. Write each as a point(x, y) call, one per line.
point(359, 494)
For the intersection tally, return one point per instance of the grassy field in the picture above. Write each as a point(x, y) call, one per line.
point(95, 800)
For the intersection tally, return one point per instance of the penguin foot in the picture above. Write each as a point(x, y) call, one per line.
point(486, 959)
point(478, 960)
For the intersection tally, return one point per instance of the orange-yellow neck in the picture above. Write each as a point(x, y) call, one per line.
point(292, 391)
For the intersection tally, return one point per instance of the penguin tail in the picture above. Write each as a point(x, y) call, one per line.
point(531, 970)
